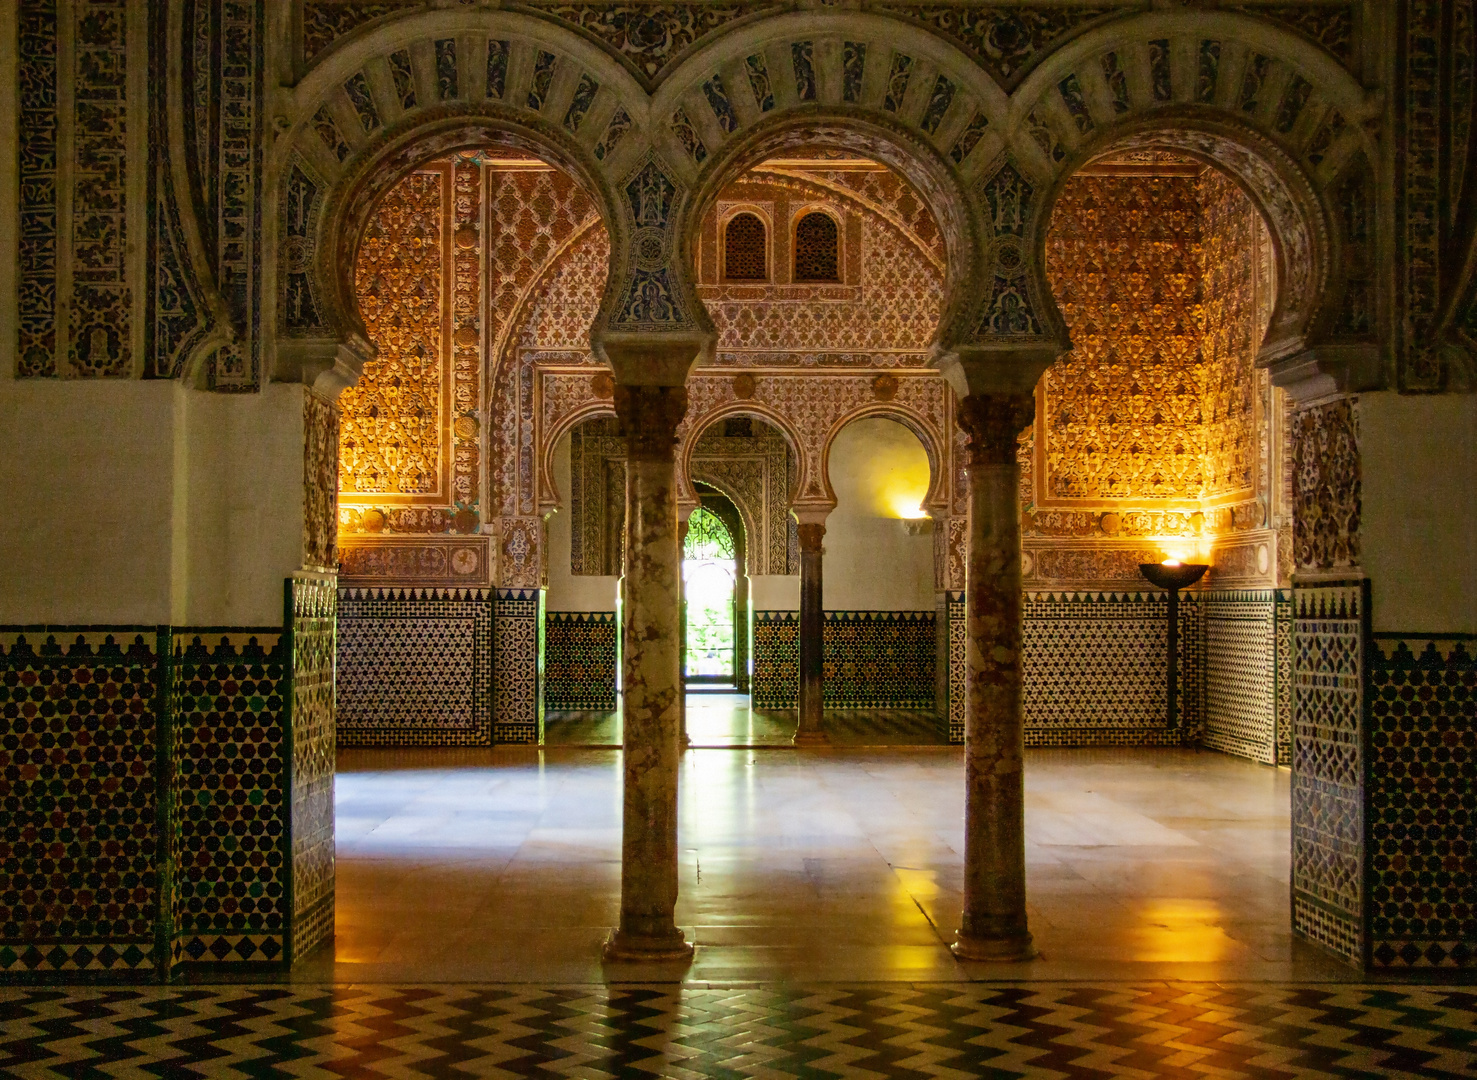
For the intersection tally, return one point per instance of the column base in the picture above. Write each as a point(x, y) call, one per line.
point(1011, 949)
point(621, 946)
point(812, 738)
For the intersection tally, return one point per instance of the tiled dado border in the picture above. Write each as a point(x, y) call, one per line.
point(195, 819)
point(415, 666)
point(1384, 786)
point(1421, 761)
point(873, 659)
point(425, 666)
point(580, 657)
point(1095, 670)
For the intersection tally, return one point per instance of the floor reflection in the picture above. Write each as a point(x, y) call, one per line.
point(839, 864)
point(729, 720)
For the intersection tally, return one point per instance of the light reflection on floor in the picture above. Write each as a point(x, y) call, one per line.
point(716, 719)
point(801, 865)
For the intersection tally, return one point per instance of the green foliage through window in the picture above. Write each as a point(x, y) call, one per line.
point(707, 537)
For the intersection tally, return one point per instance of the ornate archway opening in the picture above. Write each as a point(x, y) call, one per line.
point(1160, 436)
point(448, 273)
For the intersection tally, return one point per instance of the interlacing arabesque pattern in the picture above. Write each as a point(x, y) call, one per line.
point(391, 421)
point(1135, 278)
point(997, 1030)
point(882, 312)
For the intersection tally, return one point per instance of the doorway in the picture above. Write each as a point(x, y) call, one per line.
point(714, 657)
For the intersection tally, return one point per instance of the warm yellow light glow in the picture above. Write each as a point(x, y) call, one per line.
point(879, 468)
point(1180, 931)
point(1170, 562)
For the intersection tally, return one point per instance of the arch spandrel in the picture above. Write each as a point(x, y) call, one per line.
point(1276, 112)
point(874, 86)
point(404, 93)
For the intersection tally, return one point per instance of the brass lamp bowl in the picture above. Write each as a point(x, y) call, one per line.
point(1173, 575)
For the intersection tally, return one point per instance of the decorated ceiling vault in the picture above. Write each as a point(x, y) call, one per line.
point(311, 290)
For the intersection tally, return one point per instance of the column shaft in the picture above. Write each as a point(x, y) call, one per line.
point(652, 675)
point(812, 636)
point(994, 919)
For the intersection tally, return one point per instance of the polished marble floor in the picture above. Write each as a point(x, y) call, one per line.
point(822, 889)
point(729, 720)
point(843, 864)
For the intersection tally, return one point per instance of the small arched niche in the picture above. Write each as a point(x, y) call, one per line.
point(745, 248)
point(817, 248)
point(879, 541)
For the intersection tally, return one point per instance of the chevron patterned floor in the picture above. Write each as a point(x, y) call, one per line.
point(867, 1030)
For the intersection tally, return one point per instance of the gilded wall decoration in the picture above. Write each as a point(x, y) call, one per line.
point(885, 309)
point(1327, 486)
point(650, 39)
point(394, 421)
point(535, 217)
point(597, 498)
point(320, 483)
point(416, 560)
point(324, 21)
point(223, 90)
point(1330, 25)
point(747, 461)
point(1154, 414)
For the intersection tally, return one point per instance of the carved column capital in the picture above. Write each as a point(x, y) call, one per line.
point(648, 418)
point(811, 535)
point(993, 423)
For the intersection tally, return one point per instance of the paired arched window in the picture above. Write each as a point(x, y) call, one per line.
point(744, 247)
point(817, 248)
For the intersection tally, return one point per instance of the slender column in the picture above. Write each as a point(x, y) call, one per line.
point(812, 636)
point(994, 921)
point(649, 416)
point(683, 514)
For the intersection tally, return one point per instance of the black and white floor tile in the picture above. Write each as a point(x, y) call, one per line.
point(868, 1030)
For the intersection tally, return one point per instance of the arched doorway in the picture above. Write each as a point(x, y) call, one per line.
point(712, 562)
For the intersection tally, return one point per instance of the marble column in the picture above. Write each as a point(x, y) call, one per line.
point(648, 417)
point(810, 730)
point(994, 919)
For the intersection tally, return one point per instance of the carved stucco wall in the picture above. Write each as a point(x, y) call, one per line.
point(1154, 432)
point(1152, 429)
point(747, 461)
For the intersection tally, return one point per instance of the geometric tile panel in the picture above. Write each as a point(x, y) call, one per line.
point(79, 803)
point(873, 659)
point(879, 659)
point(1095, 669)
point(579, 660)
point(825, 1030)
point(1240, 674)
point(415, 667)
point(517, 712)
point(230, 835)
point(1331, 628)
point(776, 660)
point(1422, 801)
point(958, 666)
point(313, 603)
point(1283, 631)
